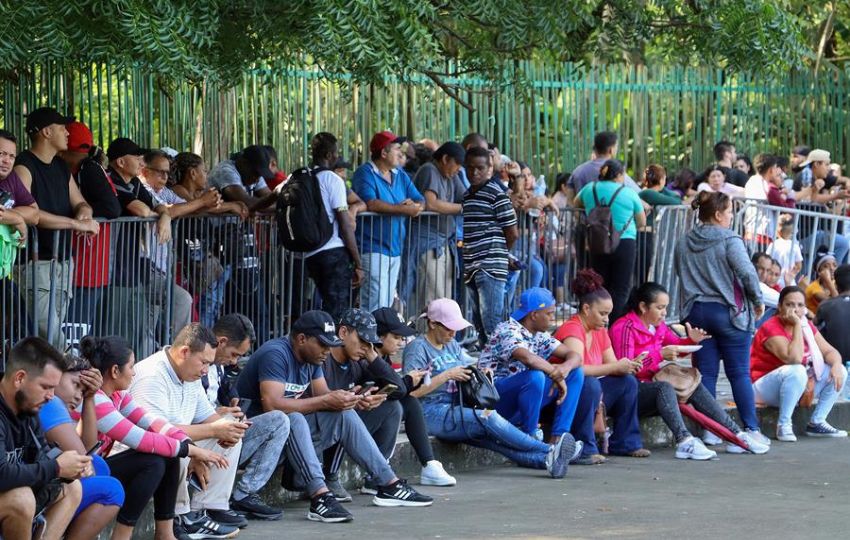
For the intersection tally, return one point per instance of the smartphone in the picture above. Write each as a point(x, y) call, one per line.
point(388, 389)
point(248, 423)
point(94, 448)
point(366, 387)
point(194, 483)
point(641, 357)
point(244, 404)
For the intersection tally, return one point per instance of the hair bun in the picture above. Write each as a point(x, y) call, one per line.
point(586, 282)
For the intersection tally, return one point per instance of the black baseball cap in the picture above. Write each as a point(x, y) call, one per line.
point(45, 116)
point(258, 159)
point(389, 320)
point(451, 149)
point(318, 324)
point(122, 146)
point(364, 323)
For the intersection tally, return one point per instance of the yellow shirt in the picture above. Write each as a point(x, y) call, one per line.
point(813, 289)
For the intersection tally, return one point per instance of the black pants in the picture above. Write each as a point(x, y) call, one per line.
point(659, 398)
point(331, 271)
point(617, 269)
point(144, 476)
point(416, 429)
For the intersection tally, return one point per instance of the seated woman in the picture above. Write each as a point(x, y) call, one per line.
point(788, 351)
point(445, 363)
point(102, 494)
point(643, 329)
point(716, 182)
point(147, 460)
point(655, 190)
point(605, 378)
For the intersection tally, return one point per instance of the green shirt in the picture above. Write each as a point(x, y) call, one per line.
point(626, 205)
point(660, 198)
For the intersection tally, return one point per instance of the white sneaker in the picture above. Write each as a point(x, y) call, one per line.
point(692, 448)
point(433, 474)
point(710, 439)
point(759, 436)
point(756, 446)
point(785, 433)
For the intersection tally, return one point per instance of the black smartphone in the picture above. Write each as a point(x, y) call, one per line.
point(366, 387)
point(194, 483)
point(94, 448)
point(244, 404)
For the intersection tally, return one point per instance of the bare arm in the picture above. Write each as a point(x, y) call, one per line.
point(511, 235)
point(238, 193)
point(355, 203)
point(87, 427)
point(640, 220)
point(205, 430)
point(272, 392)
point(346, 232)
point(65, 436)
point(382, 207)
point(434, 204)
point(788, 352)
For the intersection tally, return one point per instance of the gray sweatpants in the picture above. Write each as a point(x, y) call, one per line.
point(382, 423)
point(262, 449)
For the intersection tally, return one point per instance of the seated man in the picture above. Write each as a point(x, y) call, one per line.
point(518, 353)
point(277, 376)
point(834, 313)
point(352, 365)
point(31, 474)
point(262, 445)
point(168, 385)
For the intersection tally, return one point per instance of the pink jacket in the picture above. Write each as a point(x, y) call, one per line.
point(630, 337)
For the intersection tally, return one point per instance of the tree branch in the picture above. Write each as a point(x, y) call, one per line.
point(450, 91)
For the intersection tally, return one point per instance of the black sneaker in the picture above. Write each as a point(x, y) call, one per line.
point(198, 526)
point(400, 494)
point(327, 509)
point(254, 508)
point(228, 517)
point(370, 486)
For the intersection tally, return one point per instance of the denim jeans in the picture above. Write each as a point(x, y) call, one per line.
point(212, 300)
point(841, 247)
point(381, 279)
point(733, 346)
point(620, 397)
point(783, 387)
point(262, 452)
point(488, 296)
point(523, 395)
point(485, 429)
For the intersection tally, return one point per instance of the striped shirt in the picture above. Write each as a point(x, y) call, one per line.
point(123, 422)
point(487, 211)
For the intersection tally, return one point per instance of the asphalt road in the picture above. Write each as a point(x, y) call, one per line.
point(797, 490)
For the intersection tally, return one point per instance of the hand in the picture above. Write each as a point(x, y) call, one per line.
point(91, 380)
point(201, 471)
point(233, 411)
point(513, 169)
point(789, 276)
point(371, 401)
point(697, 335)
point(413, 210)
point(561, 388)
point(341, 400)
point(416, 376)
point(624, 366)
point(207, 457)
point(558, 373)
point(237, 207)
point(459, 373)
point(670, 352)
point(21, 227)
point(790, 316)
point(818, 184)
point(72, 464)
point(758, 311)
point(88, 227)
point(163, 229)
point(211, 198)
point(229, 431)
point(825, 273)
point(369, 352)
point(837, 376)
point(357, 277)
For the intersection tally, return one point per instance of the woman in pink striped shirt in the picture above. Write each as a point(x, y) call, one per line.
point(143, 451)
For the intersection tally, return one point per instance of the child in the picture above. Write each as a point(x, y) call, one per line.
point(786, 252)
point(393, 333)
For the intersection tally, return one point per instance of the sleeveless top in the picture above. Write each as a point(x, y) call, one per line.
point(52, 194)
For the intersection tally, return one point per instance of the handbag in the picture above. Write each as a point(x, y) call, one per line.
point(478, 392)
point(808, 394)
point(684, 380)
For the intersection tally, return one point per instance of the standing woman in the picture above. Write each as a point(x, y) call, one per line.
point(616, 269)
point(720, 293)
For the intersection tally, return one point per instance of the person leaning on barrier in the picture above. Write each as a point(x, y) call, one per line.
point(61, 207)
point(33, 476)
point(154, 176)
point(242, 178)
point(190, 177)
point(19, 208)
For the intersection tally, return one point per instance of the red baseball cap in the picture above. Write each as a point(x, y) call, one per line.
point(79, 137)
point(381, 140)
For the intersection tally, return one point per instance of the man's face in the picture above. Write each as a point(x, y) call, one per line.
point(8, 151)
point(196, 364)
point(392, 155)
point(543, 319)
point(130, 165)
point(33, 391)
point(57, 136)
point(156, 173)
point(70, 390)
point(764, 267)
point(478, 170)
point(732, 155)
point(311, 350)
point(227, 353)
point(774, 176)
point(820, 169)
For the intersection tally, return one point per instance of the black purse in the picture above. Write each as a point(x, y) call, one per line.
point(478, 392)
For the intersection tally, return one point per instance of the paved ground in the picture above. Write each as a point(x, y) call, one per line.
point(796, 491)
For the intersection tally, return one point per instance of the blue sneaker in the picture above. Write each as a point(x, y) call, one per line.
point(823, 430)
point(559, 456)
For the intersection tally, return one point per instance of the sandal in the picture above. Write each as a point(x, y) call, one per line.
point(640, 453)
point(592, 459)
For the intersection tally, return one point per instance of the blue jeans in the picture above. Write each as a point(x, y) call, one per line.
point(485, 429)
point(212, 300)
point(841, 247)
point(620, 397)
point(488, 295)
point(381, 279)
point(733, 346)
point(783, 387)
point(523, 395)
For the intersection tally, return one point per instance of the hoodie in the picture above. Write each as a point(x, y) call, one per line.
point(20, 467)
point(713, 265)
point(630, 337)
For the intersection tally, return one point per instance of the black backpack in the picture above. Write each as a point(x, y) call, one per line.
point(302, 221)
point(602, 237)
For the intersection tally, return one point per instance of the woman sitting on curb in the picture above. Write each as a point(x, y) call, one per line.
point(606, 379)
point(788, 351)
point(643, 329)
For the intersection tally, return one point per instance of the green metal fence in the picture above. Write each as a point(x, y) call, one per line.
point(666, 115)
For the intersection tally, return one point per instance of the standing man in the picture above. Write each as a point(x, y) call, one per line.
point(243, 178)
point(61, 207)
point(605, 147)
point(386, 189)
point(725, 155)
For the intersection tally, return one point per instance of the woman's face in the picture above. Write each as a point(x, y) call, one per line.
point(655, 312)
point(716, 179)
point(724, 217)
point(439, 333)
point(795, 302)
point(596, 314)
point(199, 176)
point(69, 390)
point(529, 179)
point(123, 376)
point(392, 343)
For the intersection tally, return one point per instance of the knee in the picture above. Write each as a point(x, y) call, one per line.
point(297, 423)
point(591, 390)
point(394, 410)
point(794, 373)
point(666, 390)
point(280, 423)
point(535, 380)
point(18, 502)
point(630, 385)
point(73, 493)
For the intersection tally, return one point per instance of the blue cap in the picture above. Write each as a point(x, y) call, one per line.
point(531, 300)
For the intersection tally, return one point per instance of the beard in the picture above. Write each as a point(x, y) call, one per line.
point(24, 405)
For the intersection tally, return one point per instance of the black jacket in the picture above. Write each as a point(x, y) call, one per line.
point(20, 467)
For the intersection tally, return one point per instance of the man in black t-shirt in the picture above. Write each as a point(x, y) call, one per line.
point(725, 155)
point(61, 208)
point(834, 313)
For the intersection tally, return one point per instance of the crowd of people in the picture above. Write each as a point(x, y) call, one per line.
point(199, 426)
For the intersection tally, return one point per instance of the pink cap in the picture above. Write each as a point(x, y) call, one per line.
point(446, 312)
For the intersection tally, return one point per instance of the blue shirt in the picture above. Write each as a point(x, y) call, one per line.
point(275, 361)
point(54, 413)
point(383, 234)
point(626, 205)
point(420, 354)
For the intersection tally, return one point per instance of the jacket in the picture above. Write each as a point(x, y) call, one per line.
point(20, 467)
point(713, 265)
point(630, 337)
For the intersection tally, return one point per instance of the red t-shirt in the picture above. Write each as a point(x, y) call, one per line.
point(763, 361)
point(600, 342)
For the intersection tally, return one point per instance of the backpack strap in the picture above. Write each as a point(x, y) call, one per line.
point(611, 204)
point(595, 197)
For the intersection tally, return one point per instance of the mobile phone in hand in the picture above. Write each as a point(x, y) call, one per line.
point(193, 482)
point(368, 385)
point(94, 448)
point(388, 389)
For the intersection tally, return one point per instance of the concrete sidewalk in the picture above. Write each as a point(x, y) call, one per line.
point(797, 490)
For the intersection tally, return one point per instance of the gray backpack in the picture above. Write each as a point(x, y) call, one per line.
point(602, 237)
